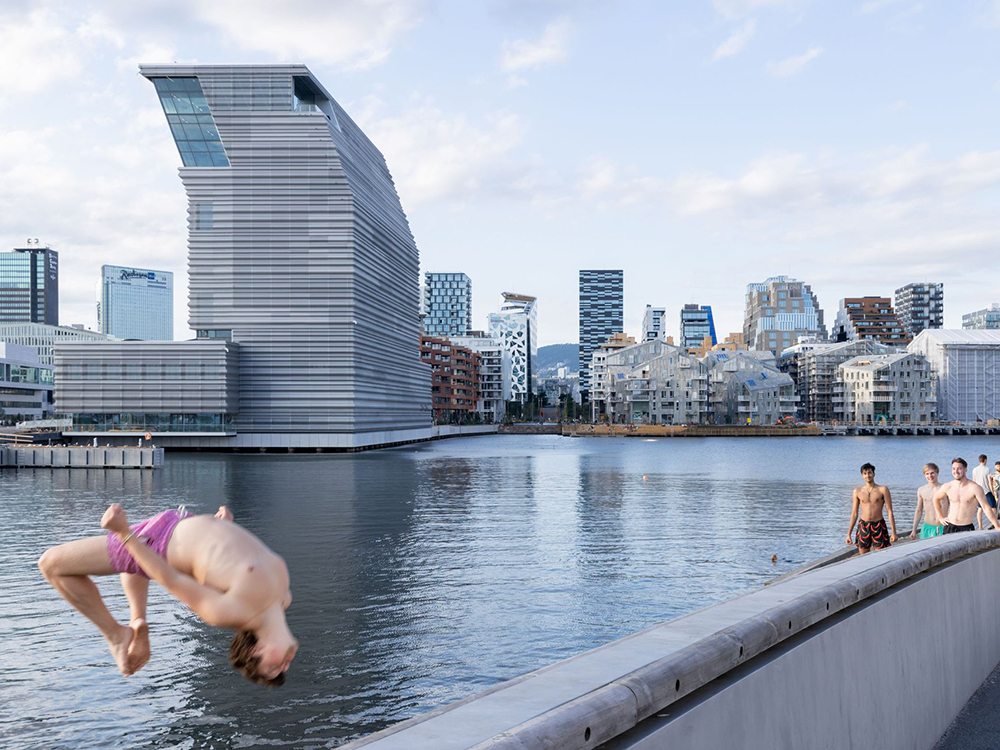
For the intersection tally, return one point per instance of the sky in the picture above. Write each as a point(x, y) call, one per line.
point(696, 145)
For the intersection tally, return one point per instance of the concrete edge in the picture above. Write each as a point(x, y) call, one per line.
point(602, 714)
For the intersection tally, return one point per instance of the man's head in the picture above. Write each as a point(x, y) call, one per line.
point(260, 662)
point(958, 468)
point(982, 459)
point(931, 472)
point(997, 466)
point(867, 472)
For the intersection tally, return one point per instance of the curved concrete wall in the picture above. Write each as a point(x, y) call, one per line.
point(878, 651)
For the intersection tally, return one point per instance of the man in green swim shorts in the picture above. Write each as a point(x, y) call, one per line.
point(925, 505)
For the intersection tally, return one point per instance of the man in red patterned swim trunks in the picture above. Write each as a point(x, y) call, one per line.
point(867, 501)
point(222, 572)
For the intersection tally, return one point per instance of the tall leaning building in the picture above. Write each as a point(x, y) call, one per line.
point(300, 259)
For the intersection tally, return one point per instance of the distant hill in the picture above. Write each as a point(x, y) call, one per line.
point(554, 356)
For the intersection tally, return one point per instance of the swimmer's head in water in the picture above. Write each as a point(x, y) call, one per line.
point(248, 663)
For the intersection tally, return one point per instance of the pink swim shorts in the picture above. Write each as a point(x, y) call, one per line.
point(154, 531)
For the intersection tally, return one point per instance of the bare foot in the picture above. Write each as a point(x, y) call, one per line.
point(119, 646)
point(138, 650)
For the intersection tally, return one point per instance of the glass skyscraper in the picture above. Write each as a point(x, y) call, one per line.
point(447, 304)
point(136, 303)
point(601, 316)
point(29, 285)
point(697, 324)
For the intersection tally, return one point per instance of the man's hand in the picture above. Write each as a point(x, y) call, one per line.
point(848, 540)
point(224, 513)
point(893, 538)
point(115, 519)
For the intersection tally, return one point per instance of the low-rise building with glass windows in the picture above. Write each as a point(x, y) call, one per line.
point(494, 373)
point(170, 388)
point(886, 389)
point(136, 303)
point(44, 338)
point(653, 382)
point(745, 387)
point(25, 385)
point(986, 319)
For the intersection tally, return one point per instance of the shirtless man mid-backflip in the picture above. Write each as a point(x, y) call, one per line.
point(869, 499)
point(964, 498)
point(221, 571)
point(932, 525)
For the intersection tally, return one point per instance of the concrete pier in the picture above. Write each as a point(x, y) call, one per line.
point(875, 651)
point(79, 457)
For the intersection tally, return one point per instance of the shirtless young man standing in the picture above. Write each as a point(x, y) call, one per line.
point(964, 498)
point(221, 571)
point(932, 525)
point(868, 500)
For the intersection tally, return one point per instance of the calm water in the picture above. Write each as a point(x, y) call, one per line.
point(420, 574)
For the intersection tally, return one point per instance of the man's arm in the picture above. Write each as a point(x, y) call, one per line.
point(917, 514)
point(985, 506)
point(210, 604)
point(855, 502)
point(940, 495)
point(892, 518)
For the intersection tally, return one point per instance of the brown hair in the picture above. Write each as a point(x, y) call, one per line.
point(932, 466)
point(242, 658)
point(960, 461)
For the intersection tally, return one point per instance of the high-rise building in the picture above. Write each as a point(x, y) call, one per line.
point(516, 328)
point(601, 315)
point(868, 318)
point(653, 323)
point(29, 285)
point(136, 303)
point(299, 254)
point(779, 312)
point(697, 324)
point(447, 304)
point(920, 306)
point(985, 319)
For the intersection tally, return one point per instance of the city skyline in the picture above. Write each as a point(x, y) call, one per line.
point(800, 148)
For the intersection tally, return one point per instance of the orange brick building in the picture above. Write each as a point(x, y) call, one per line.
point(455, 373)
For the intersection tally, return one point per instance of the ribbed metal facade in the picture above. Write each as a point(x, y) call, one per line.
point(300, 251)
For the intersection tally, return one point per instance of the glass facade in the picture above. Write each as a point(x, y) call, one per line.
point(29, 286)
point(136, 303)
point(191, 122)
point(601, 315)
point(134, 422)
point(697, 324)
point(447, 304)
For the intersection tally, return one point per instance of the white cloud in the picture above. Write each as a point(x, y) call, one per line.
point(435, 155)
point(736, 42)
point(793, 65)
point(35, 51)
point(354, 34)
point(549, 49)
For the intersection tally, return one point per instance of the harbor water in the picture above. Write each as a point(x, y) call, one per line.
point(420, 574)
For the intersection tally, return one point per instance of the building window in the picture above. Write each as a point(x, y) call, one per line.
point(204, 216)
point(191, 122)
